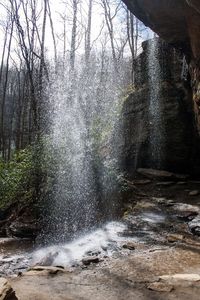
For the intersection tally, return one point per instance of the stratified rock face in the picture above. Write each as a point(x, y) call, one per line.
point(179, 142)
point(177, 22)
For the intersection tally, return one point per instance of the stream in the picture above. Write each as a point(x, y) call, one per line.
point(147, 223)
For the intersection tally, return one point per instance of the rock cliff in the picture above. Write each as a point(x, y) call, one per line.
point(178, 23)
point(179, 144)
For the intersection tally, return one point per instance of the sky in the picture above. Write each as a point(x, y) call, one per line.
point(59, 8)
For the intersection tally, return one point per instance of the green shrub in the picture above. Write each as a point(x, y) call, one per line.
point(16, 178)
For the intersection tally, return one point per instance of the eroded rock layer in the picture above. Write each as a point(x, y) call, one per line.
point(179, 144)
point(178, 23)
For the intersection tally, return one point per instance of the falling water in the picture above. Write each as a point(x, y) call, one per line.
point(156, 139)
point(84, 110)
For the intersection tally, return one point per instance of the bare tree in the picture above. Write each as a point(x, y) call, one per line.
point(11, 22)
point(73, 35)
point(109, 17)
point(132, 34)
point(88, 33)
point(52, 32)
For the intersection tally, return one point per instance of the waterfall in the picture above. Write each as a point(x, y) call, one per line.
point(84, 107)
point(156, 132)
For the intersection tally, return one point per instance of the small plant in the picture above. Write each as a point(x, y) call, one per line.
point(16, 178)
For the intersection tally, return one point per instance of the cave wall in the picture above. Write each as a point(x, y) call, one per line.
point(178, 23)
point(180, 144)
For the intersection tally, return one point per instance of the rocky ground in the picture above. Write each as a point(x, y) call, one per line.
point(157, 255)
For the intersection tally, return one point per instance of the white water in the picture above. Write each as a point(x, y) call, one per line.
point(156, 140)
point(85, 106)
point(102, 241)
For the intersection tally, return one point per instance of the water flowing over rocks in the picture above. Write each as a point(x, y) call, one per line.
point(151, 252)
point(194, 225)
point(144, 244)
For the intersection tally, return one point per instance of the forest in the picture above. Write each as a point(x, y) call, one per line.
point(40, 44)
point(99, 149)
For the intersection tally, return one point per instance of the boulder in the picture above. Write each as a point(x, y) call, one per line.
point(194, 226)
point(165, 183)
point(181, 183)
point(155, 174)
point(186, 208)
point(141, 181)
point(23, 230)
point(194, 193)
point(129, 246)
point(44, 270)
point(160, 287)
point(90, 260)
point(172, 238)
point(6, 291)
point(161, 175)
point(187, 216)
point(181, 277)
point(166, 283)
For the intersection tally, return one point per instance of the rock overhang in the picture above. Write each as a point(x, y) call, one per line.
point(177, 22)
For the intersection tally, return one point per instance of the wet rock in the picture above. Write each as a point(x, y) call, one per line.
point(6, 291)
point(12, 265)
point(194, 181)
point(160, 175)
point(48, 259)
point(142, 182)
point(181, 228)
point(181, 277)
point(172, 238)
point(23, 230)
point(181, 183)
point(194, 193)
point(181, 176)
point(194, 226)
point(155, 174)
point(170, 202)
point(90, 260)
point(44, 270)
point(160, 287)
point(165, 183)
point(93, 252)
point(104, 248)
point(186, 208)
point(159, 200)
point(143, 204)
point(187, 216)
point(129, 246)
point(192, 242)
point(3, 231)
